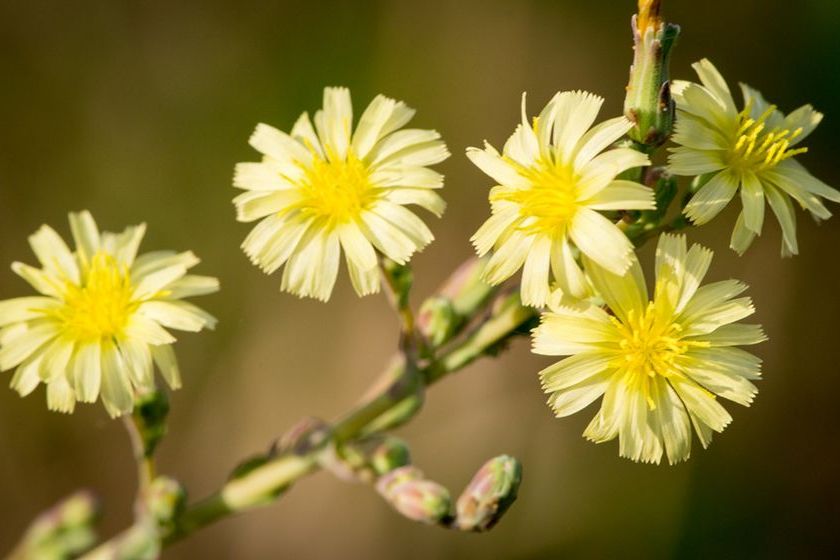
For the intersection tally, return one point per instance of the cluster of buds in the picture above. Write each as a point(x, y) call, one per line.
point(481, 505)
point(63, 531)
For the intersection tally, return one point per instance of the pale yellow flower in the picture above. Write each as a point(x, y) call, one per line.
point(554, 178)
point(751, 150)
point(323, 189)
point(660, 365)
point(100, 321)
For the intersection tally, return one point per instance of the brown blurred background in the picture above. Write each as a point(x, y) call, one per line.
point(138, 112)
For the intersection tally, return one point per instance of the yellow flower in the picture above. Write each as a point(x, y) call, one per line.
point(98, 324)
point(553, 179)
point(322, 189)
point(751, 149)
point(660, 365)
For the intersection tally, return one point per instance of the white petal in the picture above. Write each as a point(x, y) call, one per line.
point(85, 233)
point(535, 288)
point(491, 230)
point(804, 118)
point(714, 82)
point(701, 404)
point(603, 169)
point(60, 396)
point(192, 285)
point(600, 240)
point(166, 362)
point(87, 371)
point(356, 246)
point(742, 237)
point(711, 198)
point(54, 254)
point(27, 376)
point(21, 309)
point(573, 370)
point(688, 161)
point(623, 293)
point(335, 122)
point(622, 195)
point(575, 113)
point(138, 361)
point(424, 198)
point(508, 258)
point(575, 398)
point(783, 209)
point(178, 315)
point(42, 281)
point(116, 389)
point(278, 145)
point(572, 330)
point(146, 330)
point(25, 342)
point(496, 167)
point(599, 138)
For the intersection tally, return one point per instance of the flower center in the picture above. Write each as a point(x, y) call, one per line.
point(338, 190)
point(551, 201)
point(755, 148)
point(101, 306)
point(649, 346)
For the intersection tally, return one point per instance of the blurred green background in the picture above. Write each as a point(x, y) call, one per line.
point(138, 112)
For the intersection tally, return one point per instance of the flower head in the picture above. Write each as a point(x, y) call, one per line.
point(752, 150)
point(326, 188)
point(100, 321)
point(660, 364)
point(553, 179)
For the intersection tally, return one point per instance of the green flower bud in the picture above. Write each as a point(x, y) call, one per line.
point(64, 531)
point(166, 499)
point(415, 498)
point(648, 103)
point(438, 320)
point(150, 412)
point(391, 454)
point(489, 494)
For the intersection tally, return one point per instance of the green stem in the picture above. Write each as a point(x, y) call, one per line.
point(261, 484)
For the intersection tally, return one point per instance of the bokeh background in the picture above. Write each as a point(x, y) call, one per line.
point(138, 112)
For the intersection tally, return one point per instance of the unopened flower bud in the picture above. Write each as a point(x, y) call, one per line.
point(166, 499)
point(63, 531)
point(413, 497)
point(391, 454)
point(489, 494)
point(648, 102)
point(437, 320)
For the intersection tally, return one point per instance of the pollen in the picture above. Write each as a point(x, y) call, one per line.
point(755, 148)
point(100, 307)
point(650, 345)
point(550, 203)
point(337, 189)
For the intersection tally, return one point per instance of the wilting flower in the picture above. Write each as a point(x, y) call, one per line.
point(325, 188)
point(659, 364)
point(553, 179)
point(751, 149)
point(100, 321)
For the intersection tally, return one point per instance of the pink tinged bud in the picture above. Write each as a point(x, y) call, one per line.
point(489, 494)
point(413, 497)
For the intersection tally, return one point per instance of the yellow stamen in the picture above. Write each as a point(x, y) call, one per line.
point(650, 345)
point(755, 149)
point(101, 306)
point(551, 200)
point(336, 189)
